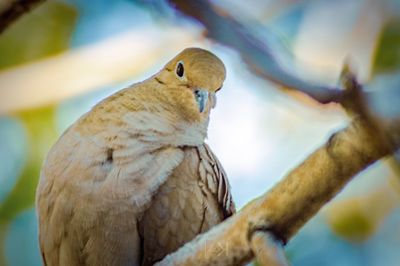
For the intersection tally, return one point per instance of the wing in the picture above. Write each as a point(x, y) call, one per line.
point(215, 180)
point(90, 194)
point(195, 197)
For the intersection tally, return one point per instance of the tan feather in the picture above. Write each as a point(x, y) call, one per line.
point(100, 180)
point(187, 204)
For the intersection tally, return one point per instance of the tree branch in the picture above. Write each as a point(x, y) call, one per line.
point(228, 31)
point(298, 197)
point(267, 250)
point(11, 10)
point(291, 203)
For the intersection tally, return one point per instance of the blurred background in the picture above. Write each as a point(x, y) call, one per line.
point(59, 60)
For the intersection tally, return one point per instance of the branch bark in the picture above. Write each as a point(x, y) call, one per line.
point(292, 202)
point(11, 10)
point(267, 250)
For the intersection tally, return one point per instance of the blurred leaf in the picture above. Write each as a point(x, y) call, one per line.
point(387, 54)
point(44, 31)
point(352, 223)
point(21, 238)
point(357, 219)
point(394, 163)
point(3, 231)
point(12, 153)
point(41, 133)
point(394, 180)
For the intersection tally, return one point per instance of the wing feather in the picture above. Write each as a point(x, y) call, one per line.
point(214, 169)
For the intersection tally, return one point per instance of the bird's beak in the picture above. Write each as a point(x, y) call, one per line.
point(201, 97)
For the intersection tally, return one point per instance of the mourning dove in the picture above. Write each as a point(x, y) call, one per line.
point(132, 180)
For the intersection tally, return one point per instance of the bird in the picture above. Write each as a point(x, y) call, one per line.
point(133, 179)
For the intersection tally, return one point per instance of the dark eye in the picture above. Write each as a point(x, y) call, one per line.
point(179, 70)
point(218, 89)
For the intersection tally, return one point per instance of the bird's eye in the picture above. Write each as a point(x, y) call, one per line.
point(180, 70)
point(218, 89)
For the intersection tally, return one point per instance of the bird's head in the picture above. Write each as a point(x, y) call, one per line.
point(193, 77)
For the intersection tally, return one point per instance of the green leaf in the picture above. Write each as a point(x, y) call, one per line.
point(44, 31)
point(41, 133)
point(3, 231)
point(387, 54)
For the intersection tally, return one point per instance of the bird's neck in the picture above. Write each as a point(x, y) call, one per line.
point(165, 129)
point(150, 116)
